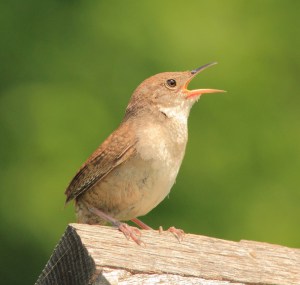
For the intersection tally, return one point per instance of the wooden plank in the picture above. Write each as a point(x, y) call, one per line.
point(102, 255)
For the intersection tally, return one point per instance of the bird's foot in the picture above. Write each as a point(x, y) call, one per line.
point(131, 233)
point(178, 233)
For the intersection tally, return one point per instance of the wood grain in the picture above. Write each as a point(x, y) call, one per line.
point(102, 255)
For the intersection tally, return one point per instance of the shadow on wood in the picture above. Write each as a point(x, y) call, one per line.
point(102, 255)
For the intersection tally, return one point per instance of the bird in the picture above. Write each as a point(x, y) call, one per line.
point(134, 169)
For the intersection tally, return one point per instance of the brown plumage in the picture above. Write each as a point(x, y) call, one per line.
point(102, 161)
point(135, 167)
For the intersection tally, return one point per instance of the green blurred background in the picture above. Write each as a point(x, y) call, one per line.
point(67, 71)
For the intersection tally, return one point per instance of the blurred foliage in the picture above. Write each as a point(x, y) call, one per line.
point(67, 69)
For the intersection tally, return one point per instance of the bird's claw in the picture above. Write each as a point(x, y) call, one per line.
point(178, 233)
point(131, 233)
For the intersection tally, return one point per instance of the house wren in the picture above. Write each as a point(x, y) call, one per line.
point(133, 170)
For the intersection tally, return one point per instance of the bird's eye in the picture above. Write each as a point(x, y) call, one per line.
point(171, 83)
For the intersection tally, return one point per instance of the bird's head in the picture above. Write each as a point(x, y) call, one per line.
point(168, 93)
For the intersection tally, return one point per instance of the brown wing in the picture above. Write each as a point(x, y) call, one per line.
point(116, 149)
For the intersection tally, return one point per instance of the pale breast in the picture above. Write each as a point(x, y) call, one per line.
point(137, 186)
point(162, 152)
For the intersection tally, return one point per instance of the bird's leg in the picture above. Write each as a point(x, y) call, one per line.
point(141, 224)
point(128, 231)
point(178, 233)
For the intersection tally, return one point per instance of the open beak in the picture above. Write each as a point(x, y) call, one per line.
point(197, 92)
